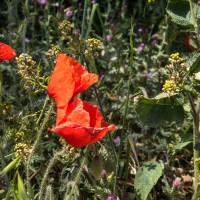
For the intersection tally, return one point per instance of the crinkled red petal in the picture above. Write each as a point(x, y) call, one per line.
point(82, 124)
point(79, 136)
point(61, 85)
point(68, 79)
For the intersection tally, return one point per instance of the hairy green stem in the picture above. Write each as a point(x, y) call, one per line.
point(128, 152)
point(78, 175)
point(196, 140)
point(196, 155)
point(50, 165)
point(37, 142)
point(43, 110)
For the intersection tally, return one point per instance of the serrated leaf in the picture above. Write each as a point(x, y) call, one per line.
point(179, 11)
point(193, 62)
point(160, 111)
point(146, 177)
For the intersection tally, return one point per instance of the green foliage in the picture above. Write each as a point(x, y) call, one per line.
point(159, 111)
point(193, 62)
point(146, 177)
point(136, 38)
point(179, 11)
point(181, 145)
point(10, 166)
point(20, 192)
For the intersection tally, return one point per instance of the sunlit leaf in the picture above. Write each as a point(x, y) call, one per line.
point(146, 177)
point(21, 187)
point(179, 11)
point(10, 166)
point(159, 111)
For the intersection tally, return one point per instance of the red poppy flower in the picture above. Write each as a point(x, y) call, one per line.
point(6, 52)
point(68, 79)
point(82, 124)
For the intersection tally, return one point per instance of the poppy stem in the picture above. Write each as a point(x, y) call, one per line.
point(49, 167)
point(73, 188)
point(101, 109)
point(36, 144)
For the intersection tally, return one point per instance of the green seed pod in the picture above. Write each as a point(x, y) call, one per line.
point(96, 167)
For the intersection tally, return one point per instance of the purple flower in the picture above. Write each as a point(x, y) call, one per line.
point(78, 31)
point(177, 182)
point(42, 2)
point(69, 13)
point(57, 4)
point(62, 7)
point(147, 75)
point(109, 37)
point(93, 1)
point(102, 77)
point(140, 30)
point(117, 141)
point(103, 173)
point(198, 2)
point(140, 48)
point(154, 42)
point(26, 40)
point(111, 197)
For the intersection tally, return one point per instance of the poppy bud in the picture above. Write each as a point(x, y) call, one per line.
point(97, 167)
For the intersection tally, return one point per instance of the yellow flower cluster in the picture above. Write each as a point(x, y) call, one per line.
point(93, 43)
point(25, 64)
point(22, 149)
point(54, 51)
point(170, 87)
point(93, 47)
point(177, 74)
point(150, 1)
point(66, 29)
point(176, 58)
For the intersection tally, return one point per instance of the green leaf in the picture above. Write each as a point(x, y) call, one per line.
point(10, 166)
point(179, 11)
point(160, 111)
point(21, 188)
point(146, 177)
point(193, 62)
point(181, 145)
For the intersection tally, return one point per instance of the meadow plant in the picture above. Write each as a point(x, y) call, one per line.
point(99, 100)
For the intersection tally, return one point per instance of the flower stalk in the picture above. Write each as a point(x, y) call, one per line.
point(196, 140)
point(37, 142)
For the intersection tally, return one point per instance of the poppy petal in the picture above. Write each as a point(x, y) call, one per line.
point(82, 125)
point(95, 116)
point(79, 136)
point(83, 79)
point(6, 52)
point(68, 79)
point(61, 85)
point(75, 114)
